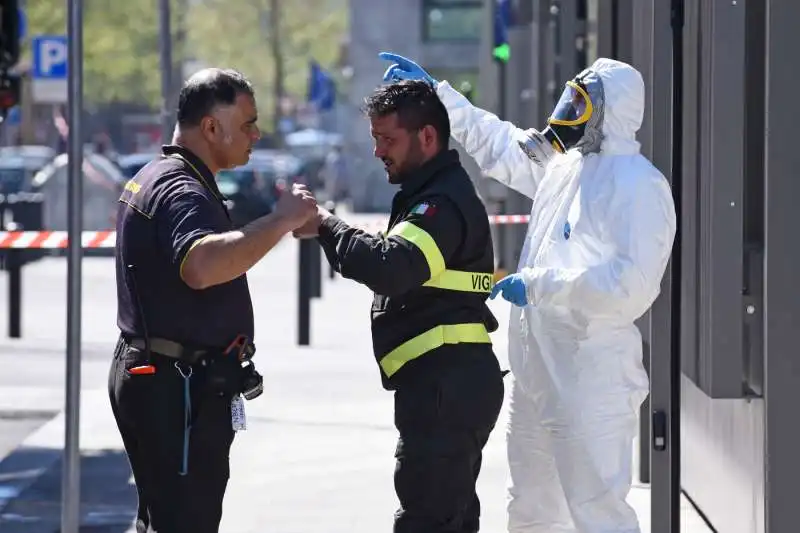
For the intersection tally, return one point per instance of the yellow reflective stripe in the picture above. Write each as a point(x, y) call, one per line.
point(186, 255)
point(456, 280)
point(430, 340)
point(422, 240)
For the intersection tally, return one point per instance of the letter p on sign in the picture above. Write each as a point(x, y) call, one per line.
point(54, 55)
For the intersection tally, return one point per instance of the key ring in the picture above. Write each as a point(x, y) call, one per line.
point(183, 374)
point(187, 415)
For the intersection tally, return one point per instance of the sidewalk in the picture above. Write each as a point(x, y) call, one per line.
point(317, 455)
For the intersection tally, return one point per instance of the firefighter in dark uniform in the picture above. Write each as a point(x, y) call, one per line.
point(182, 362)
point(431, 273)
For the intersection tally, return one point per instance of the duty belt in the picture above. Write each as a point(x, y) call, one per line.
point(171, 349)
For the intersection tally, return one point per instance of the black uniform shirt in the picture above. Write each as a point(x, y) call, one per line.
point(170, 205)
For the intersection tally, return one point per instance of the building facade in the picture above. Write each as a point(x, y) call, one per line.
point(442, 35)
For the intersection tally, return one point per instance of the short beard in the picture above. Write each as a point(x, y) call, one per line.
point(412, 163)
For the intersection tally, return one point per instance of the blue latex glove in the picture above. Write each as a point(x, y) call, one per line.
point(404, 69)
point(513, 289)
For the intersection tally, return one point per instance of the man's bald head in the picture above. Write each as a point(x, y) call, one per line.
point(207, 89)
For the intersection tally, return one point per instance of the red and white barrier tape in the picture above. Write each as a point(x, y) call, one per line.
point(509, 219)
point(55, 239)
point(106, 239)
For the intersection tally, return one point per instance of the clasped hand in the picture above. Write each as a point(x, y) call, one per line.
point(298, 207)
point(310, 229)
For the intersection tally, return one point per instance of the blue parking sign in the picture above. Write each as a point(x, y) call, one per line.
point(50, 54)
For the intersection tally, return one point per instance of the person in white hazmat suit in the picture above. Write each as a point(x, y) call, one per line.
point(601, 231)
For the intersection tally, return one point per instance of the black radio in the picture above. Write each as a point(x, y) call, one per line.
point(252, 384)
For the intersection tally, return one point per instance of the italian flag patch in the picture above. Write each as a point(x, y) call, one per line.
point(424, 209)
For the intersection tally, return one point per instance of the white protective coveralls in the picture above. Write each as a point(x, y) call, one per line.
point(574, 351)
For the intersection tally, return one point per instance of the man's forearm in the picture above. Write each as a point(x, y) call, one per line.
point(381, 264)
point(223, 257)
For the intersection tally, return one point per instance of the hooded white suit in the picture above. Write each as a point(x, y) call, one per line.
point(600, 235)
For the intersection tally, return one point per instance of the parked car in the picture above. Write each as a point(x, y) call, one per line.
point(18, 165)
point(32, 152)
point(253, 189)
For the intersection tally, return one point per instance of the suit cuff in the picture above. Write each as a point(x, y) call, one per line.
point(530, 276)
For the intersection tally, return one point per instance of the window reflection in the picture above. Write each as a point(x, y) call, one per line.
point(449, 20)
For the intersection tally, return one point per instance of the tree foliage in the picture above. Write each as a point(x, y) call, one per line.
point(120, 41)
point(121, 54)
point(236, 33)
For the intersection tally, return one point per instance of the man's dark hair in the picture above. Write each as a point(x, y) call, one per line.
point(208, 89)
point(417, 105)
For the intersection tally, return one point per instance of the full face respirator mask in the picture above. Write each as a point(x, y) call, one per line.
point(577, 117)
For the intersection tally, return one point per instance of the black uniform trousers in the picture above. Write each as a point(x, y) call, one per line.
point(149, 410)
point(444, 418)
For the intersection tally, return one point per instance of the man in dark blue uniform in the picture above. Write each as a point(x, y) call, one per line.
point(431, 274)
point(184, 311)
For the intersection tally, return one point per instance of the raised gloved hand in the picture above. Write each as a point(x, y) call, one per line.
point(404, 69)
point(513, 289)
point(537, 147)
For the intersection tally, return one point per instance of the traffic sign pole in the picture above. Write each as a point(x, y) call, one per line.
point(165, 55)
point(70, 486)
